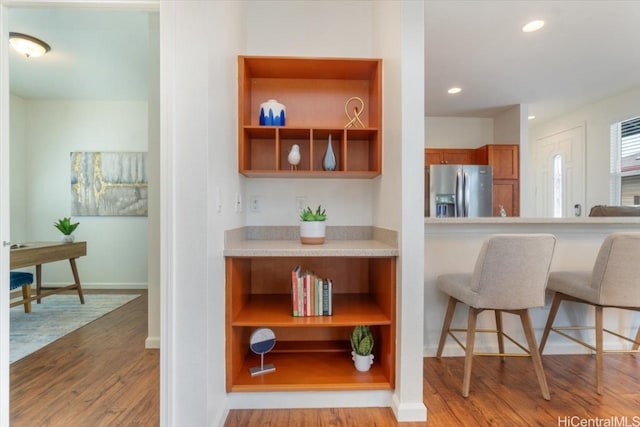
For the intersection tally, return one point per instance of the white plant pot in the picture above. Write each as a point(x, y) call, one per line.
point(362, 363)
point(312, 232)
point(67, 238)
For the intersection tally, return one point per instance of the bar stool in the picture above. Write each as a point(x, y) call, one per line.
point(614, 282)
point(510, 276)
point(24, 280)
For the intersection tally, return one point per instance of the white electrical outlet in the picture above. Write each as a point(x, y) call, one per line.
point(301, 203)
point(255, 204)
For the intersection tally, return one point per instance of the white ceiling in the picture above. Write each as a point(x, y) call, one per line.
point(95, 54)
point(587, 50)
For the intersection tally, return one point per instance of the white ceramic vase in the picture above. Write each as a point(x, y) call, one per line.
point(272, 113)
point(312, 232)
point(362, 363)
point(67, 238)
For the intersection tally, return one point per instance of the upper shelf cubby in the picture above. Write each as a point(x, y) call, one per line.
point(315, 92)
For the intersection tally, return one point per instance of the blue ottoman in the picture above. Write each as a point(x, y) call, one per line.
point(24, 280)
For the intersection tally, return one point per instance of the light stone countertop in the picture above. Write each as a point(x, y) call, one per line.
point(283, 242)
point(523, 220)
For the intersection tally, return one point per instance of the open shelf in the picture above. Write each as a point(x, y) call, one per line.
point(311, 353)
point(309, 371)
point(314, 92)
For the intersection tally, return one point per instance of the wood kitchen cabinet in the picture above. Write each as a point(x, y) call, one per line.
point(506, 192)
point(314, 92)
point(505, 160)
point(449, 156)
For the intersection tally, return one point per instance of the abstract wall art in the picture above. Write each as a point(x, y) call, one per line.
point(109, 184)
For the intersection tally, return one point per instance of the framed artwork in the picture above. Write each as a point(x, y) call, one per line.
point(109, 184)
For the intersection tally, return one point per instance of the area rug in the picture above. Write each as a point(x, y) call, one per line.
point(55, 317)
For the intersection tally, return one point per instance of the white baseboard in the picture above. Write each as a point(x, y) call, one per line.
point(97, 285)
point(408, 411)
point(152, 342)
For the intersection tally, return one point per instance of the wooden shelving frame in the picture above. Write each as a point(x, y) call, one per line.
point(311, 353)
point(314, 92)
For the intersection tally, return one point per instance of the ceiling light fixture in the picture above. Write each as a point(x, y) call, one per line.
point(454, 90)
point(533, 26)
point(28, 46)
point(531, 117)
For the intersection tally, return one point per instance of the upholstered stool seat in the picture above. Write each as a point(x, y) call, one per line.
point(510, 276)
point(22, 279)
point(613, 282)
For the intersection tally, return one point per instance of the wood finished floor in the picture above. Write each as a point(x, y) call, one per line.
point(101, 375)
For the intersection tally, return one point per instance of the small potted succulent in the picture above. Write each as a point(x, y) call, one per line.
point(67, 228)
point(362, 344)
point(312, 226)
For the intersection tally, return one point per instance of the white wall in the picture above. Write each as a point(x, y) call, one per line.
point(116, 246)
point(506, 126)
point(18, 174)
point(598, 118)
point(458, 132)
point(315, 29)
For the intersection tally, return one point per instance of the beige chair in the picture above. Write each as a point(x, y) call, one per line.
point(510, 276)
point(613, 282)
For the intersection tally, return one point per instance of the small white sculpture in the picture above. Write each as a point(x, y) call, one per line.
point(294, 156)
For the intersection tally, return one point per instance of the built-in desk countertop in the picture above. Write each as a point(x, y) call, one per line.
point(359, 241)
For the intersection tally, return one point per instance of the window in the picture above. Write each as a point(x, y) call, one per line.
point(625, 163)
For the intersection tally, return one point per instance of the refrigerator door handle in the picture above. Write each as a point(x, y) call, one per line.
point(460, 193)
point(467, 193)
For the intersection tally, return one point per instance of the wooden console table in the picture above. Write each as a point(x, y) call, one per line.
point(38, 253)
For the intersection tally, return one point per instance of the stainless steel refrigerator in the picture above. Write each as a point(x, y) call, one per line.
point(460, 190)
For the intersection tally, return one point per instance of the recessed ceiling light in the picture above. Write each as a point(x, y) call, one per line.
point(28, 46)
point(454, 90)
point(533, 26)
point(531, 117)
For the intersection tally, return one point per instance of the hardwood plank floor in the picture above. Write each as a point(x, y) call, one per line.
point(502, 394)
point(99, 375)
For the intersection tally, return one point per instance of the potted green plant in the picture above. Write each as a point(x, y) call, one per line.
point(66, 227)
point(312, 226)
point(362, 344)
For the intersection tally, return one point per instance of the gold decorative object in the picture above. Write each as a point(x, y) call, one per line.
point(355, 120)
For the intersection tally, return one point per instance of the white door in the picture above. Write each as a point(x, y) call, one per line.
point(559, 165)
point(4, 219)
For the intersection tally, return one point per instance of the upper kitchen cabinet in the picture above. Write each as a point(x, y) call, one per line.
point(504, 158)
point(449, 156)
point(320, 96)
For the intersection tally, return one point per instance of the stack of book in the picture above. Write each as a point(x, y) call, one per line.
point(310, 295)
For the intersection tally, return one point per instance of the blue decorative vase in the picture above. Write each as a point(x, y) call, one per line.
point(272, 113)
point(329, 160)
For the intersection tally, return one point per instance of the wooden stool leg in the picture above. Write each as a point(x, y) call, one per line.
point(535, 353)
point(468, 356)
point(26, 296)
point(451, 308)
point(557, 299)
point(637, 343)
point(599, 354)
point(498, 315)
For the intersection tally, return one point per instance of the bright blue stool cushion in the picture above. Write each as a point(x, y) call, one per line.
point(20, 278)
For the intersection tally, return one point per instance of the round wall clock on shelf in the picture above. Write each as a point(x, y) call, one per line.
point(262, 341)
